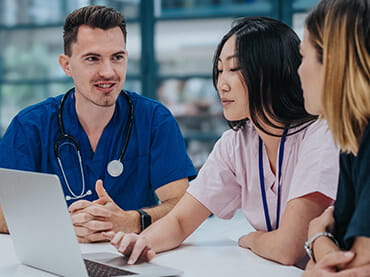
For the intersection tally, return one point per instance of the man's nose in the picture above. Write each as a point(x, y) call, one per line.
point(106, 69)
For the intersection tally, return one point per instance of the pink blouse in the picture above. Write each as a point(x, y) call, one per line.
point(229, 179)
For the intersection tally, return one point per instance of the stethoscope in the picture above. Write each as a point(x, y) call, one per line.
point(262, 181)
point(114, 167)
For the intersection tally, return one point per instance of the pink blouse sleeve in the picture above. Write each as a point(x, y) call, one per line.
point(216, 186)
point(317, 168)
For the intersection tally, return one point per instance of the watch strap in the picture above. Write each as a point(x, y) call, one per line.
point(145, 219)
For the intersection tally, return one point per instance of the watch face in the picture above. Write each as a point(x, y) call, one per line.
point(308, 250)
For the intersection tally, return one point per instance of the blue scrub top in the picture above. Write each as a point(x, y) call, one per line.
point(155, 156)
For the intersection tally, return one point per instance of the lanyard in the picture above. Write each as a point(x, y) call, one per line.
point(262, 181)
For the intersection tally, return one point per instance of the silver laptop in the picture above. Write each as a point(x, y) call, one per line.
point(43, 235)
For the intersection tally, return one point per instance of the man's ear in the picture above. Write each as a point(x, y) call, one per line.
point(65, 64)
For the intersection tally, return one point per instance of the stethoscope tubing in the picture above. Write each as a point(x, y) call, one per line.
point(72, 141)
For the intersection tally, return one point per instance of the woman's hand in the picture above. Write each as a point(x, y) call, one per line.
point(322, 223)
point(134, 246)
point(328, 265)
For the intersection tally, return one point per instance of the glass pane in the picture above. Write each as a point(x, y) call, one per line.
point(209, 8)
point(196, 107)
point(13, 12)
point(16, 97)
point(193, 96)
point(32, 53)
point(24, 12)
point(304, 5)
point(192, 51)
point(301, 8)
point(133, 85)
point(129, 8)
point(133, 45)
point(298, 23)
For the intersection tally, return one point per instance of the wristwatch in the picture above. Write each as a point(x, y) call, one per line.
point(308, 243)
point(145, 219)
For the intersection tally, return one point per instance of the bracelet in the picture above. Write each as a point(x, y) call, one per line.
point(308, 243)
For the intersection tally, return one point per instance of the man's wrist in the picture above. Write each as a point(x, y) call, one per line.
point(129, 222)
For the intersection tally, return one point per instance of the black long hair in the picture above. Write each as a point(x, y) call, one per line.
point(268, 55)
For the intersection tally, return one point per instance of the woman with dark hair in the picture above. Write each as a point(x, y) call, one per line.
point(278, 163)
point(336, 55)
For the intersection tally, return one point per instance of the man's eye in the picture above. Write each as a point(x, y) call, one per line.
point(91, 59)
point(118, 57)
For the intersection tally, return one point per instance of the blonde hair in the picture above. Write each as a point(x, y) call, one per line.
point(346, 58)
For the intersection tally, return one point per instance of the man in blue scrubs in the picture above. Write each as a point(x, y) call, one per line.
point(96, 114)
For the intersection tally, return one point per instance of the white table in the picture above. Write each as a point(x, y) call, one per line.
point(210, 251)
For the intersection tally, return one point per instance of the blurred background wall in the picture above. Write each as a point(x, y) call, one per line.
point(170, 44)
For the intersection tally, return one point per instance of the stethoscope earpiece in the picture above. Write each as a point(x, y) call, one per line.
point(68, 198)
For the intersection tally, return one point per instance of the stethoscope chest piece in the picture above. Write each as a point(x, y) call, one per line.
point(115, 168)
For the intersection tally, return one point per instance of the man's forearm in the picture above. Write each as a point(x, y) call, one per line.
point(169, 195)
point(3, 226)
point(159, 211)
point(130, 222)
point(133, 222)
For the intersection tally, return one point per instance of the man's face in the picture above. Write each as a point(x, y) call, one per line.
point(98, 65)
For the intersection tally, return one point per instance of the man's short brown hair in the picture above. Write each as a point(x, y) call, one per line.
point(94, 16)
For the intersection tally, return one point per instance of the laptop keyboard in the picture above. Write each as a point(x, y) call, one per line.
point(95, 269)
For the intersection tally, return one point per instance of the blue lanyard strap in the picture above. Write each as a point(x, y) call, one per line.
point(262, 181)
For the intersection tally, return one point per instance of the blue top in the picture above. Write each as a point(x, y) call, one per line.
point(155, 155)
point(352, 206)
